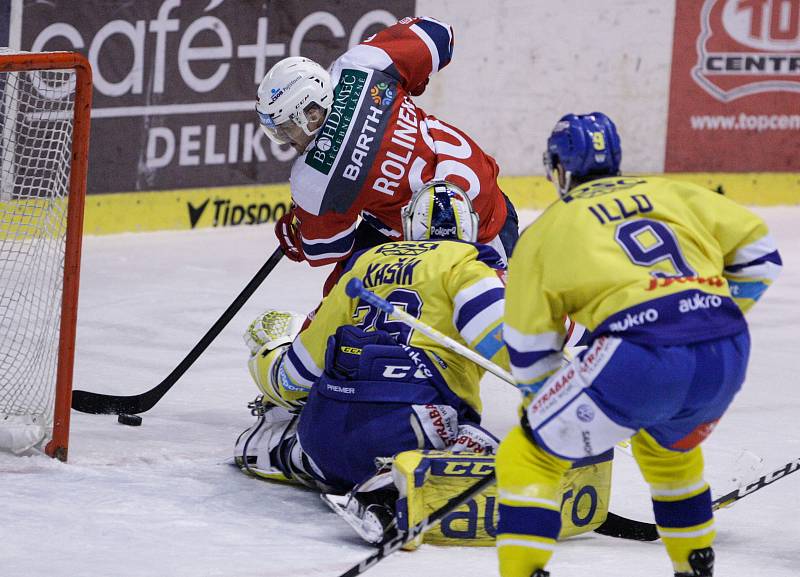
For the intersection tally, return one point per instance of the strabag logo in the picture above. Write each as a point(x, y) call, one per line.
point(748, 47)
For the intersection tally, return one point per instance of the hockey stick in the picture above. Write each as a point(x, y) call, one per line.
point(404, 537)
point(98, 403)
point(642, 531)
point(763, 481)
point(355, 288)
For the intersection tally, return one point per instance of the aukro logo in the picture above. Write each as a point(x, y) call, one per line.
point(228, 213)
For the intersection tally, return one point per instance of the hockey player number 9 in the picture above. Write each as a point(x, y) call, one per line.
point(374, 318)
point(648, 242)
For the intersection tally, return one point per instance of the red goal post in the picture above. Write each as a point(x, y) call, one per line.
point(45, 104)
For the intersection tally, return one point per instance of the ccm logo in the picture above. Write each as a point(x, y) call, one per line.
point(470, 469)
point(401, 371)
point(396, 371)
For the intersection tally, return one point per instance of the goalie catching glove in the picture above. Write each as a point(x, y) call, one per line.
point(268, 337)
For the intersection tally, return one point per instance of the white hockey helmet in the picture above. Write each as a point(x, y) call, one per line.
point(286, 92)
point(440, 210)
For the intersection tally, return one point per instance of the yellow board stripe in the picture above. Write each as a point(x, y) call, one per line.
point(240, 205)
point(176, 209)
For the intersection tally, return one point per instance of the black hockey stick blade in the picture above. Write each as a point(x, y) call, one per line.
point(404, 537)
point(624, 528)
point(616, 526)
point(99, 403)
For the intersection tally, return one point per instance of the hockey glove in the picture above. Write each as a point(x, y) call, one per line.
point(289, 236)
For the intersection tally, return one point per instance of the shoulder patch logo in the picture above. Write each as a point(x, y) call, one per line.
point(382, 94)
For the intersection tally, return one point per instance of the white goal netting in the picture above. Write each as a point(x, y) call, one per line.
point(36, 130)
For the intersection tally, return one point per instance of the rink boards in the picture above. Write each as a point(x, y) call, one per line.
point(220, 207)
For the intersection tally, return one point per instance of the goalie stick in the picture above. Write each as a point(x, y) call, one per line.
point(392, 544)
point(642, 531)
point(99, 403)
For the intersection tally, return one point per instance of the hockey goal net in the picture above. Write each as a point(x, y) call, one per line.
point(45, 101)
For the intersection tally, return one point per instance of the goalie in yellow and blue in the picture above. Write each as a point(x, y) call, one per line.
point(357, 386)
point(660, 273)
point(369, 386)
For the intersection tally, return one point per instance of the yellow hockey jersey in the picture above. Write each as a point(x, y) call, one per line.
point(652, 260)
point(455, 287)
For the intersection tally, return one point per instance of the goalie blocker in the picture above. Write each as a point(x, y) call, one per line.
point(427, 479)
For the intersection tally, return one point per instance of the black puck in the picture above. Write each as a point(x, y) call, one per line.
point(131, 420)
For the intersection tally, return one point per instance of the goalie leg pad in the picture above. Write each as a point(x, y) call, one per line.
point(427, 479)
point(269, 449)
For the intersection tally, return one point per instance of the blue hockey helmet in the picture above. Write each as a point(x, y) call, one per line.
point(582, 147)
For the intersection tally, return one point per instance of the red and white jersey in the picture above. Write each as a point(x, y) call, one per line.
point(377, 146)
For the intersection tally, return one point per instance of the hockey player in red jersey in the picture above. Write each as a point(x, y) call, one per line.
point(364, 145)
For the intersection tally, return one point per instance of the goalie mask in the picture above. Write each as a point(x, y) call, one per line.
point(440, 210)
point(582, 147)
point(285, 94)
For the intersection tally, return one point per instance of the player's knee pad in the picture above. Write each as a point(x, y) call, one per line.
point(664, 468)
point(522, 463)
point(528, 483)
point(264, 368)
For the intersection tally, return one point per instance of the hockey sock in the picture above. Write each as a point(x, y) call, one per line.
point(685, 523)
point(681, 498)
point(529, 505)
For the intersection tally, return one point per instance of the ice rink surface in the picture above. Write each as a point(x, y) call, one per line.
point(161, 500)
